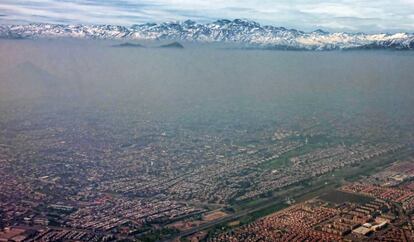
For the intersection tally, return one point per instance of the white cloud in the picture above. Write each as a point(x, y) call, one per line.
point(348, 15)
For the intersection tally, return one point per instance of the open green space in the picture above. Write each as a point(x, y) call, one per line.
point(284, 160)
point(339, 197)
point(315, 142)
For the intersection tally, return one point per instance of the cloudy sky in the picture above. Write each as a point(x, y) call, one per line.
point(333, 15)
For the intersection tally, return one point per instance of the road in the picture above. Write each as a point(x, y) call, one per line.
point(229, 218)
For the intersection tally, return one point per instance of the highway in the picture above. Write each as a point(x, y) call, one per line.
point(226, 219)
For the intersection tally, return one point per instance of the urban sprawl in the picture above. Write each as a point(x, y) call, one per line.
point(92, 175)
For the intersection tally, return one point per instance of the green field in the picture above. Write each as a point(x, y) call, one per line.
point(284, 160)
point(339, 197)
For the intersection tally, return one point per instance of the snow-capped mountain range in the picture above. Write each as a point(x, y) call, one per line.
point(248, 34)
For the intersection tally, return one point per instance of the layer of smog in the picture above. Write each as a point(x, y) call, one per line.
point(153, 141)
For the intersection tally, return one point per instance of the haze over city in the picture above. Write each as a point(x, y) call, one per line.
point(206, 121)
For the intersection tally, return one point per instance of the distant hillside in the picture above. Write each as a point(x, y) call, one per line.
point(173, 45)
point(26, 80)
point(129, 45)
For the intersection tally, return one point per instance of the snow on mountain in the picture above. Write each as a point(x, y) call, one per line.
point(246, 33)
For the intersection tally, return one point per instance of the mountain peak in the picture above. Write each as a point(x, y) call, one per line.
point(320, 31)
